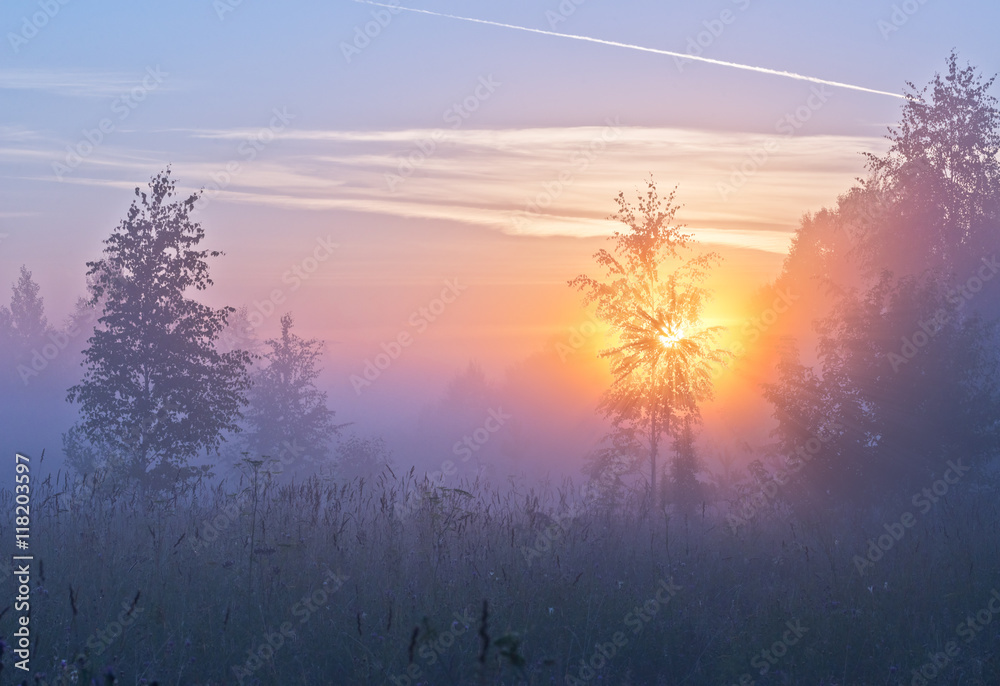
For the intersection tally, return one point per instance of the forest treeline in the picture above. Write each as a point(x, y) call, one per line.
point(894, 372)
point(900, 373)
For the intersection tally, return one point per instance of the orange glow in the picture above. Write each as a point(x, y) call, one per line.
point(671, 337)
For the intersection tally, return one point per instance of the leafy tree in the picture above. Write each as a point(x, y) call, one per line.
point(805, 424)
point(936, 191)
point(9, 346)
point(662, 362)
point(26, 316)
point(469, 392)
point(465, 403)
point(890, 411)
point(908, 370)
point(239, 334)
point(156, 392)
point(362, 457)
point(23, 327)
point(287, 418)
point(610, 465)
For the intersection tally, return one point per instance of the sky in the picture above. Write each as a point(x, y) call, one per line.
point(417, 152)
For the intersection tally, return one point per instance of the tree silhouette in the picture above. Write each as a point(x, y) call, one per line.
point(26, 316)
point(23, 327)
point(684, 468)
point(662, 361)
point(908, 372)
point(360, 457)
point(937, 188)
point(609, 465)
point(156, 392)
point(287, 418)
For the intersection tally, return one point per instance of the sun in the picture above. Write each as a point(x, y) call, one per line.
point(669, 338)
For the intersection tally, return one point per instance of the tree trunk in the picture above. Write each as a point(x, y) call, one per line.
point(653, 441)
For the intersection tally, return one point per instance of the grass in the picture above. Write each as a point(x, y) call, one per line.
point(173, 590)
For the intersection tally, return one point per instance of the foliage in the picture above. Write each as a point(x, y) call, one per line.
point(662, 362)
point(287, 418)
point(23, 328)
point(385, 593)
point(359, 457)
point(611, 466)
point(908, 374)
point(687, 491)
point(25, 322)
point(155, 390)
point(938, 186)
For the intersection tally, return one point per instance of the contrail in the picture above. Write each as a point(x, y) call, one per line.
point(681, 55)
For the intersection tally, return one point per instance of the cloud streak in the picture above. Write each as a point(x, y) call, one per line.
point(527, 181)
point(66, 83)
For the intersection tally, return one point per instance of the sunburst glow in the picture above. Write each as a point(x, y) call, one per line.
point(671, 337)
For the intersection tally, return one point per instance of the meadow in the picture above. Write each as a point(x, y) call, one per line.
point(397, 581)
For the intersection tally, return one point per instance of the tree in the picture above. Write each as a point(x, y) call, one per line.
point(908, 372)
point(684, 468)
point(8, 354)
point(362, 458)
point(469, 392)
point(239, 334)
point(23, 326)
point(938, 186)
point(890, 411)
point(156, 392)
point(27, 312)
point(617, 457)
point(287, 418)
point(806, 423)
point(662, 362)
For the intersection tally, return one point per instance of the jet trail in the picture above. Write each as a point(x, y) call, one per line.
point(681, 55)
